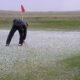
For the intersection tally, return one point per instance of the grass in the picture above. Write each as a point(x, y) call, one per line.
point(72, 62)
point(67, 69)
point(71, 66)
point(44, 20)
point(56, 24)
point(42, 23)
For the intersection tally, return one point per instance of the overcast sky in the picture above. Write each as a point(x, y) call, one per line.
point(41, 5)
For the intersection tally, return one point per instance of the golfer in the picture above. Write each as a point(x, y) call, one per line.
point(21, 26)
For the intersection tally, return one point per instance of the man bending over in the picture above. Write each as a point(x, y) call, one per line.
point(22, 29)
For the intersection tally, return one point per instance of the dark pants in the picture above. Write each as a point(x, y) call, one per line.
point(22, 29)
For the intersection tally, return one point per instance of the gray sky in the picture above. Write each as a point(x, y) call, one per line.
point(41, 5)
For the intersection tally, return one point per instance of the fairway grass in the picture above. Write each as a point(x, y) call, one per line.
point(49, 25)
point(62, 70)
point(46, 55)
point(64, 25)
